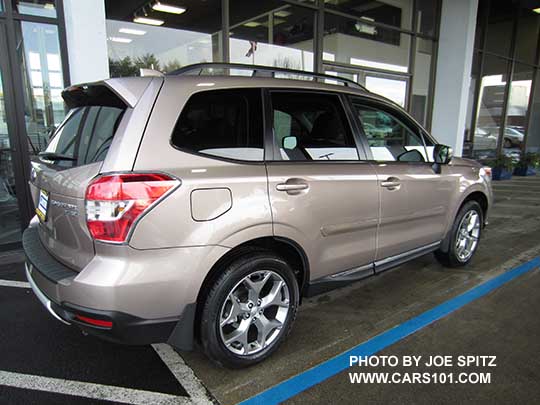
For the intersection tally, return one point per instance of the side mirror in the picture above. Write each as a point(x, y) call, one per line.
point(290, 142)
point(442, 154)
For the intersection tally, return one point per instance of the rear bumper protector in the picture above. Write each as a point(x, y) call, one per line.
point(47, 303)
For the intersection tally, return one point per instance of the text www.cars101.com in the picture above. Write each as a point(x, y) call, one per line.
point(420, 378)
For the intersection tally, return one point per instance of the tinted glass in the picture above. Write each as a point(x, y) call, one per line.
point(426, 16)
point(490, 106)
point(389, 138)
point(500, 27)
point(397, 15)
point(309, 126)
point(225, 124)
point(10, 219)
point(527, 35)
point(42, 8)
point(193, 36)
point(280, 35)
point(85, 135)
point(40, 61)
point(356, 42)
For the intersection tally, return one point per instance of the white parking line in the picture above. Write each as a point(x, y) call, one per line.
point(12, 283)
point(185, 375)
point(88, 390)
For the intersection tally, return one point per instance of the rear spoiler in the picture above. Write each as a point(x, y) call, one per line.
point(119, 92)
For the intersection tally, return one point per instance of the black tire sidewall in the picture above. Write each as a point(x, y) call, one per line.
point(236, 271)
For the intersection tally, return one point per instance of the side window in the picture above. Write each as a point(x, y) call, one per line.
point(390, 139)
point(311, 126)
point(222, 123)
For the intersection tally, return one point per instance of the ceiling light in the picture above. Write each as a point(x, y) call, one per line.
point(282, 13)
point(536, 10)
point(167, 8)
point(149, 21)
point(131, 31)
point(252, 24)
point(120, 39)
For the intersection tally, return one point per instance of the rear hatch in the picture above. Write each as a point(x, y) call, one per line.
point(74, 156)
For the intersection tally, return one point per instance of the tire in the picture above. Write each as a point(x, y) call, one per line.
point(507, 143)
point(455, 256)
point(222, 319)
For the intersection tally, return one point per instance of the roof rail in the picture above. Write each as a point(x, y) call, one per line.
point(259, 71)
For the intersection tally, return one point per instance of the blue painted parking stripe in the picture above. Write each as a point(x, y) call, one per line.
point(301, 382)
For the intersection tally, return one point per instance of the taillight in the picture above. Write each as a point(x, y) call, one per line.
point(114, 202)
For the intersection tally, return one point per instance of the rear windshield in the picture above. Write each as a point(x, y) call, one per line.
point(88, 130)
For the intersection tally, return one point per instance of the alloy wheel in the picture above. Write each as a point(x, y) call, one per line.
point(468, 235)
point(254, 312)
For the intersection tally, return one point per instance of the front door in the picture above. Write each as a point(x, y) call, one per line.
point(322, 195)
point(414, 198)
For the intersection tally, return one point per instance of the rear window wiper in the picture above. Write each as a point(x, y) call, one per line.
point(56, 156)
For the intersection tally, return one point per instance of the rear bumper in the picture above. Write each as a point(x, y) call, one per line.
point(148, 296)
point(125, 329)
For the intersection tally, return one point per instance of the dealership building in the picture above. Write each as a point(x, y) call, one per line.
point(467, 70)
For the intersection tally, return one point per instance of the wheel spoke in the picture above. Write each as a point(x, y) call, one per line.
point(239, 335)
point(274, 297)
point(264, 327)
point(237, 308)
point(254, 287)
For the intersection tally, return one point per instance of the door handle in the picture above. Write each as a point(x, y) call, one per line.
point(292, 186)
point(391, 183)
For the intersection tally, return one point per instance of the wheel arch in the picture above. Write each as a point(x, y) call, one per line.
point(482, 199)
point(290, 250)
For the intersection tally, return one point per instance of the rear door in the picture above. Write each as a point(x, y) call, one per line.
point(322, 194)
point(414, 198)
point(62, 172)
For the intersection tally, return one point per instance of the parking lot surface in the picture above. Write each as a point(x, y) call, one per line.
point(502, 323)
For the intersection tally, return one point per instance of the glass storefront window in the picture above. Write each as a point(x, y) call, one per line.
point(194, 36)
point(500, 28)
point(426, 16)
point(39, 57)
point(386, 85)
point(134, 46)
point(42, 8)
point(398, 14)
point(280, 36)
point(527, 36)
point(516, 112)
point(421, 79)
point(490, 107)
point(354, 42)
point(10, 221)
point(468, 136)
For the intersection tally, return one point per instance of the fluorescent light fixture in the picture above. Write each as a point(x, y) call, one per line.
point(120, 39)
point(537, 10)
point(282, 13)
point(131, 31)
point(148, 21)
point(252, 24)
point(167, 8)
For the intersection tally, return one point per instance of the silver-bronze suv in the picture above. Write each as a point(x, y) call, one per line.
point(199, 207)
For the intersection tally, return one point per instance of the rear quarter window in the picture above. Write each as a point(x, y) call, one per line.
point(222, 123)
point(88, 130)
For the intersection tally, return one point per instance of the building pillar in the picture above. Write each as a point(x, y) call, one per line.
point(86, 38)
point(454, 61)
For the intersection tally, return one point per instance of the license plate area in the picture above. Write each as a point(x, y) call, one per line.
point(43, 205)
